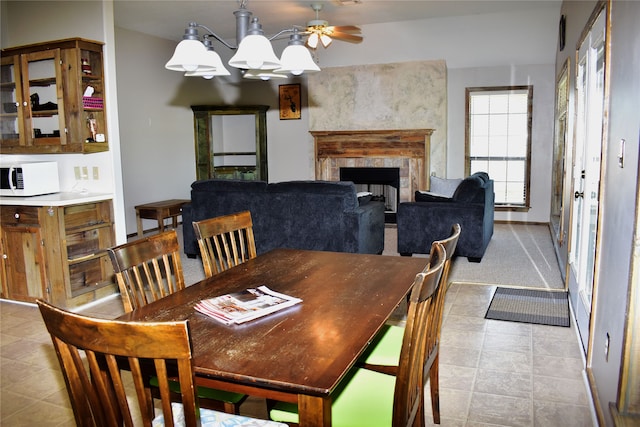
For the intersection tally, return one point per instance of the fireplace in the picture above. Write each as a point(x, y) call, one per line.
point(408, 150)
point(382, 183)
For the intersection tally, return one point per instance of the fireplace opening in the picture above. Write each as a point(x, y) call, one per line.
point(382, 183)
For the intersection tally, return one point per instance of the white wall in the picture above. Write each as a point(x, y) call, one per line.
point(542, 77)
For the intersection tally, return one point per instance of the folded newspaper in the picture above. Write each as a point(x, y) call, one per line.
point(240, 307)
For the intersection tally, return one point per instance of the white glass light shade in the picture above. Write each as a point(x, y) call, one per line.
point(189, 56)
point(263, 75)
point(219, 69)
point(326, 40)
point(297, 59)
point(312, 41)
point(256, 53)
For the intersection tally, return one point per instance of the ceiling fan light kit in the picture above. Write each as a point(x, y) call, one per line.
point(319, 30)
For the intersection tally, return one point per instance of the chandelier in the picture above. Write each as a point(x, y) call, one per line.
point(254, 52)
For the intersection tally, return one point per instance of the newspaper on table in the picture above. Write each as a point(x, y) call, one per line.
point(240, 307)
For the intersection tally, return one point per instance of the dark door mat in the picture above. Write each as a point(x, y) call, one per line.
point(530, 306)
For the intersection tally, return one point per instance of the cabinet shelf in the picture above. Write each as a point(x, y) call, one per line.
point(44, 113)
point(85, 258)
point(46, 82)
point(91, 288)
point(89, 227)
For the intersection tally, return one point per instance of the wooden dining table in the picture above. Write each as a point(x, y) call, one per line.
point(301, 353)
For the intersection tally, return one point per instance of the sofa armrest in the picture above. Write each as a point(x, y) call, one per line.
point(190, 246)
point(370, 228)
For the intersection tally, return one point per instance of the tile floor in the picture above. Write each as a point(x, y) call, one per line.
point(492, 373)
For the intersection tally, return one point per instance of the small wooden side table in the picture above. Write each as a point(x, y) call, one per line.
point(159, 211)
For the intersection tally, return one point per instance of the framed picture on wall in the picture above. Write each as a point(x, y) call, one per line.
point(289, 101)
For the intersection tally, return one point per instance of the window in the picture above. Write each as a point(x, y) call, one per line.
point(498, 140)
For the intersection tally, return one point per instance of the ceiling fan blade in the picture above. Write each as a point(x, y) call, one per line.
point(347, 37)
point(345, 29)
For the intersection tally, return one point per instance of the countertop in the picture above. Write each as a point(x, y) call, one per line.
point(56, 199)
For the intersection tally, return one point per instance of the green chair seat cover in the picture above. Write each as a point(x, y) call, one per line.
point(365, 398)
point(385, 350)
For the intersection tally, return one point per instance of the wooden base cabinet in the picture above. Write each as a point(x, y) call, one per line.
point(57, 253)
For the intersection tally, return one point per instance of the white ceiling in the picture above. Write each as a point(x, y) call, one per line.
point(168, 19)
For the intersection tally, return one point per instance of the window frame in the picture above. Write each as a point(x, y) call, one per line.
point(467, 166)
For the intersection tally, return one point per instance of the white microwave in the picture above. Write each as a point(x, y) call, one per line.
point(29, 179)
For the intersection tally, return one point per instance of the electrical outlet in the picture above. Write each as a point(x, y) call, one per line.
point(76, 171)
point(96, 173)
point(85, 172)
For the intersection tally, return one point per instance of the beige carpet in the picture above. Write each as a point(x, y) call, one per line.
point(518, 256)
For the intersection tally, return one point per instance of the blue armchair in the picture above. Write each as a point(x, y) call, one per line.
point(431, 217)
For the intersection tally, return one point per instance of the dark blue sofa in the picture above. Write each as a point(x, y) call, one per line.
point(314, 215)
point(431, 217)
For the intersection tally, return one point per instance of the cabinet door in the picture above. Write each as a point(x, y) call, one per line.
point(23, 264)
point(44, 123)
point(12, 107)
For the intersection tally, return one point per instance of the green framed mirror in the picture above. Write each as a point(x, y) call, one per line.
point(231, 142)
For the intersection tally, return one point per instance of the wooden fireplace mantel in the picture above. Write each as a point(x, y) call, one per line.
point(409, 149)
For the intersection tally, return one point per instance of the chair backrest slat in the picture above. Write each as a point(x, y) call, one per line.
point(148, 269)
point(421, 322)
point(449, 244)
point(225, 241)
point(94, 353)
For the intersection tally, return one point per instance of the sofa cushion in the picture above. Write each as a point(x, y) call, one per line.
point(342, 191)
point(443, 186)
point(427, 196)
point(364, 197)
point(470, 190)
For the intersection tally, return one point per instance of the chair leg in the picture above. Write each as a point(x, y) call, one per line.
point(435, 391)
point(231, 408)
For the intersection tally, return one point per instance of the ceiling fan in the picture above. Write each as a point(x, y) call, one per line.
point(320, 30)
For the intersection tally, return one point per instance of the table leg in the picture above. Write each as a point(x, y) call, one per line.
point(160, 224)
point(139, 223)
point(314, 411)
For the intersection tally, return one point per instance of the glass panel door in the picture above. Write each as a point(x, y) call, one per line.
point(586, 172)
point(11, 115)
point(44, 114)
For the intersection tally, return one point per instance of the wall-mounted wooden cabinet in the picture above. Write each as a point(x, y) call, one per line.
point(57, 253)
point(53, 98)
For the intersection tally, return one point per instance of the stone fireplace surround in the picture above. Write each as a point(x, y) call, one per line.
point(405, 149)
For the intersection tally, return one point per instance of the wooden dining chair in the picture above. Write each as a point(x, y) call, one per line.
point(148, 269)
point(225, 241)
point(369, 398)
point(95, 353)
point(383, 354)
